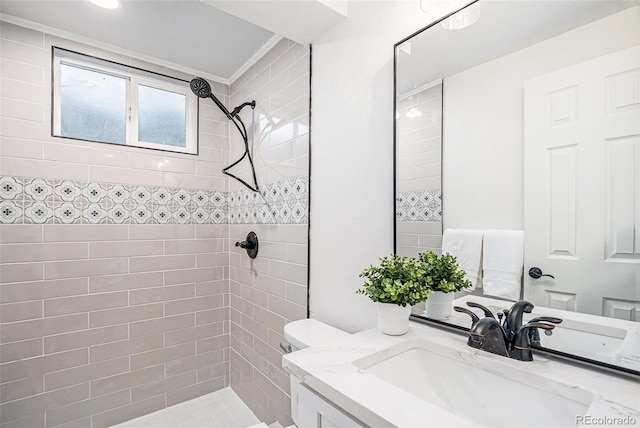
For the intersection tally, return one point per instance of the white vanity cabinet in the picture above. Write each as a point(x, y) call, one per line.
point(314, 411)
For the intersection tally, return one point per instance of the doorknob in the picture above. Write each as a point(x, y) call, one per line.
point(536, 272)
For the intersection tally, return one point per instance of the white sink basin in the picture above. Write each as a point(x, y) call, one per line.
point(484, 393)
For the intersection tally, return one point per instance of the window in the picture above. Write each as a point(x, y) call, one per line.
point(102, 101)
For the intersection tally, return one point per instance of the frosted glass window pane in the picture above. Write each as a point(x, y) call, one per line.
point(92, 105)
point(161, 117)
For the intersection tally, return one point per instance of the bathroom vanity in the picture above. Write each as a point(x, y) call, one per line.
point(430, 377)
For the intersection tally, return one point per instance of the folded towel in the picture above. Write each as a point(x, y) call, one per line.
point(502, 263)
point(466, 246)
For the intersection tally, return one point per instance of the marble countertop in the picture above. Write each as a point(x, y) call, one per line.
point(337, 371)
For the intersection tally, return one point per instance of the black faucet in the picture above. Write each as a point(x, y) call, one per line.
point(510, 339)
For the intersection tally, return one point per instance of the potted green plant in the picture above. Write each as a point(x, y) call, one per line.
point(395, 284)
point(444, 277)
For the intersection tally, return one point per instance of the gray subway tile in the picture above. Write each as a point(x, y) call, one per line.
point(85, 338)
point(30, 421)
point(291, 272)
point(193, 305)
point(159, 356)
point(191, 334)
point(159, 263)
point(22, 388)
point(85, 408)
point(126, 380)
point(160, 325)
point(289, 310)
point(188, 275)
point(20, 311)
point(37, 366)
point(42, 289)
point(84, 232)
point(192, 391)
point(212, 343)
point(21, 350)
point(42, 252)
point(19, 272)
point(125, 315)
point(193, 362)
point(214, 371)
point(297, 293)
point(125, 249)
point(212, 315)
point(163, 386)
point(85, 373)
point(82, 268)
point(30, 329)
point(161, 294)
point(125, 347)
point(90, 302)
point(127, 281)
point(128, 412)
point(190, 246)
point(212, 287)
point(161, 231)
point(43, 402)
point(21, 233)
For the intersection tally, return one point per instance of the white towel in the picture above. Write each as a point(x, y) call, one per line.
point(502, 263)
point(466, 246)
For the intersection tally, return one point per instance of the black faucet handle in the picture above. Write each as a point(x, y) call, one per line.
point(487, 312)
point(534, 334)
point(552, 320)
point(474, 317)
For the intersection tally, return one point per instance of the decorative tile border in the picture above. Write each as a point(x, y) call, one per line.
point(38, 201)
point(423, 205)
point(281, 202)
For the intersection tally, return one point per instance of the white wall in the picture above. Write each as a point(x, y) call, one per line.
point(352, 155)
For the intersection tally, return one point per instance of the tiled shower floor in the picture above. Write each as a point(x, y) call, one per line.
point(220, 409)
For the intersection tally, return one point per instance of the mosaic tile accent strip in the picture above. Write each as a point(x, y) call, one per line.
point(26, 200)
point(281, 202)
point(423, 205)
point(38, 201)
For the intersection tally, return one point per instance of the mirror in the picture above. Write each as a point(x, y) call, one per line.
point(503, 106)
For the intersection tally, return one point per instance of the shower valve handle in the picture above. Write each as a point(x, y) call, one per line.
point(250, 244)
point(246, 245)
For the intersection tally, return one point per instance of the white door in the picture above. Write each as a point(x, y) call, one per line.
point(582, 186)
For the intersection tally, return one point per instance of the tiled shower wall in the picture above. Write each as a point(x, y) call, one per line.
point(271, 290)
point(107, 314)
point(418, 172)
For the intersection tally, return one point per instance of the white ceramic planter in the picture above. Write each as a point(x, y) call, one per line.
point(439, 305)
point(393, 319)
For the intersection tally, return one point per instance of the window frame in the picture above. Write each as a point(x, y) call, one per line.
point(134, 77)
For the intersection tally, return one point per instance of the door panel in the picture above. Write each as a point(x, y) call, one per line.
point(582, 186)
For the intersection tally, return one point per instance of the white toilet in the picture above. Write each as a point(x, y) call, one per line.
point(303, 334)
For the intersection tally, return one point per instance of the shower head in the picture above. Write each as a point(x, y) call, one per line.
point(202, 89)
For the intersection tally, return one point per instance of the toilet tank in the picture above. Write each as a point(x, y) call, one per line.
point(309, 332)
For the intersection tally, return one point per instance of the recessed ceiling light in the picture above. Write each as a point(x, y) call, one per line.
point(107, 4)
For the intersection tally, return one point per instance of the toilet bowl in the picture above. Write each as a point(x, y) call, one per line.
point(304, 334)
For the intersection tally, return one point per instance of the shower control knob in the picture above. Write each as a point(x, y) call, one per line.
point(536, 272)
point(250, 244)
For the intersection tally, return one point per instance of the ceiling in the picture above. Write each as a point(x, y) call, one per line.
point(188, 33)
point(503, 27)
